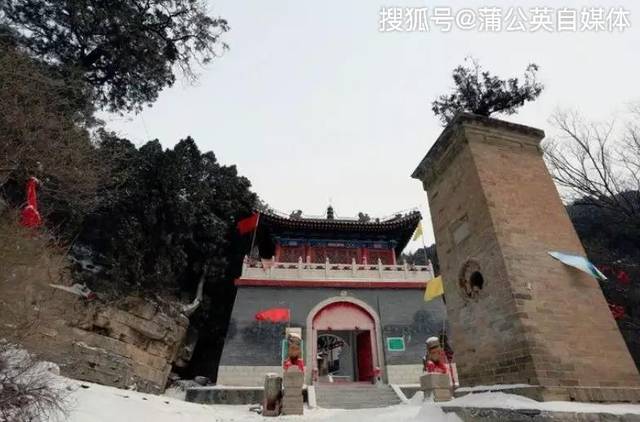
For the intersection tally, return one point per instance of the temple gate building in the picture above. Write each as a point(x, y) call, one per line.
point(339, 282)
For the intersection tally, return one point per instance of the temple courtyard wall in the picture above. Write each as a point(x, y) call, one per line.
point(253, 348)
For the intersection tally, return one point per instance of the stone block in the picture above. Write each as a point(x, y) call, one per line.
point(431, 381)
point(441, 394)
point(293, 378)
point(161, 349)
point(224, 395)
point(140, 307)
point(292, 405)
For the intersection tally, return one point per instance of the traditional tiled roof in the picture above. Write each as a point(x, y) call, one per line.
point(400, 221)
point(398, 228)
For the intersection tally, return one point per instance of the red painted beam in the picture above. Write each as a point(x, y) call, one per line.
point(417, 285)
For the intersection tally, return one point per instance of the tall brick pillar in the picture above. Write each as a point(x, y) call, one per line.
point(517, 316)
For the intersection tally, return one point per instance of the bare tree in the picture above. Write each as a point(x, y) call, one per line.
point(44, 132)
point(598, 162)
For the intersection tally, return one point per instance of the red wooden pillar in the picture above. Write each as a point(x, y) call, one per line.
point(277, 254)
point(364, 347)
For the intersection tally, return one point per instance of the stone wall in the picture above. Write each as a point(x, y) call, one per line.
point(404, 374)
point(251, 344)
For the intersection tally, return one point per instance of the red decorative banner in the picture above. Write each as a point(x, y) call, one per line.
point(274, 315)
point(30, 216)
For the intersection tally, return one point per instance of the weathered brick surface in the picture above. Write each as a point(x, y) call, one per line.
point(535, 321)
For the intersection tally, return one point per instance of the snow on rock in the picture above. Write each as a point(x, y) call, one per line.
point(491, 387)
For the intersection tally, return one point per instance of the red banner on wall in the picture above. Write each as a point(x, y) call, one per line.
point(274, 315)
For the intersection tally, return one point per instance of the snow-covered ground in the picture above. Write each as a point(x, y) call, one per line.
point(96, 403)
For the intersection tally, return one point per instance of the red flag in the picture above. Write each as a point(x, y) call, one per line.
point(30, 215)
point(249, 224)
point(273, 315)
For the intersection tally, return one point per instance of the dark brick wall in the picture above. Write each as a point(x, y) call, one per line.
point(402, 313)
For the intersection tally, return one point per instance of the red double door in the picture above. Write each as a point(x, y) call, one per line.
point(365, 356)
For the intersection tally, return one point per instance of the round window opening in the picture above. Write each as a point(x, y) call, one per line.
point(471, 281)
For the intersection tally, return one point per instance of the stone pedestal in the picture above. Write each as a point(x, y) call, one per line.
point(436, 385)
point(272, 400)
point(517, 315)
point(292, 399)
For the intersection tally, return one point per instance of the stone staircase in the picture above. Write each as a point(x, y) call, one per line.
point(355, 396)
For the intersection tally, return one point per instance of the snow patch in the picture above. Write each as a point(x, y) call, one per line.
point(512, 401)
point(497, 387)
point(432, 412)
point(97, 403)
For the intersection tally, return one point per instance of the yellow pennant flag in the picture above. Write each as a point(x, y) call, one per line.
point(434, 289)
point(418, 233)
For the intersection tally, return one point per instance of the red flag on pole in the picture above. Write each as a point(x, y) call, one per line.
point(273, 315)
point(30, 215)
point(249, 224)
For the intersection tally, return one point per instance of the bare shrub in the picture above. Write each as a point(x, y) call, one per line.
point(29, 390)
point(29, 262)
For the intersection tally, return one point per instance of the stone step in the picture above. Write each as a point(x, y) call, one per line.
point(355, 396)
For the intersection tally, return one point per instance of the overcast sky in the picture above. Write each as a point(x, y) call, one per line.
point(313, 103)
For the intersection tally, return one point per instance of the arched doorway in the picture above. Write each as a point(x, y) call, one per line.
point(357, 328)
point(335, 355)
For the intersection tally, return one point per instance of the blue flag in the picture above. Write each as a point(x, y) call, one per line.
point(579, 262)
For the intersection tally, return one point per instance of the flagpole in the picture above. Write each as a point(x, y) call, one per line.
point(253, 237)
point(444, 314)
point(424, 246)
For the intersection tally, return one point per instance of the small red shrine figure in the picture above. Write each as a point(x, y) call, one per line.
point(435, 360)
point(294, 352)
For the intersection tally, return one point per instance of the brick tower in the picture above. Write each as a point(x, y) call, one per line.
point(517, 315)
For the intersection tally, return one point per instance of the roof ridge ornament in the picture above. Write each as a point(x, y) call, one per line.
point(330, 213)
